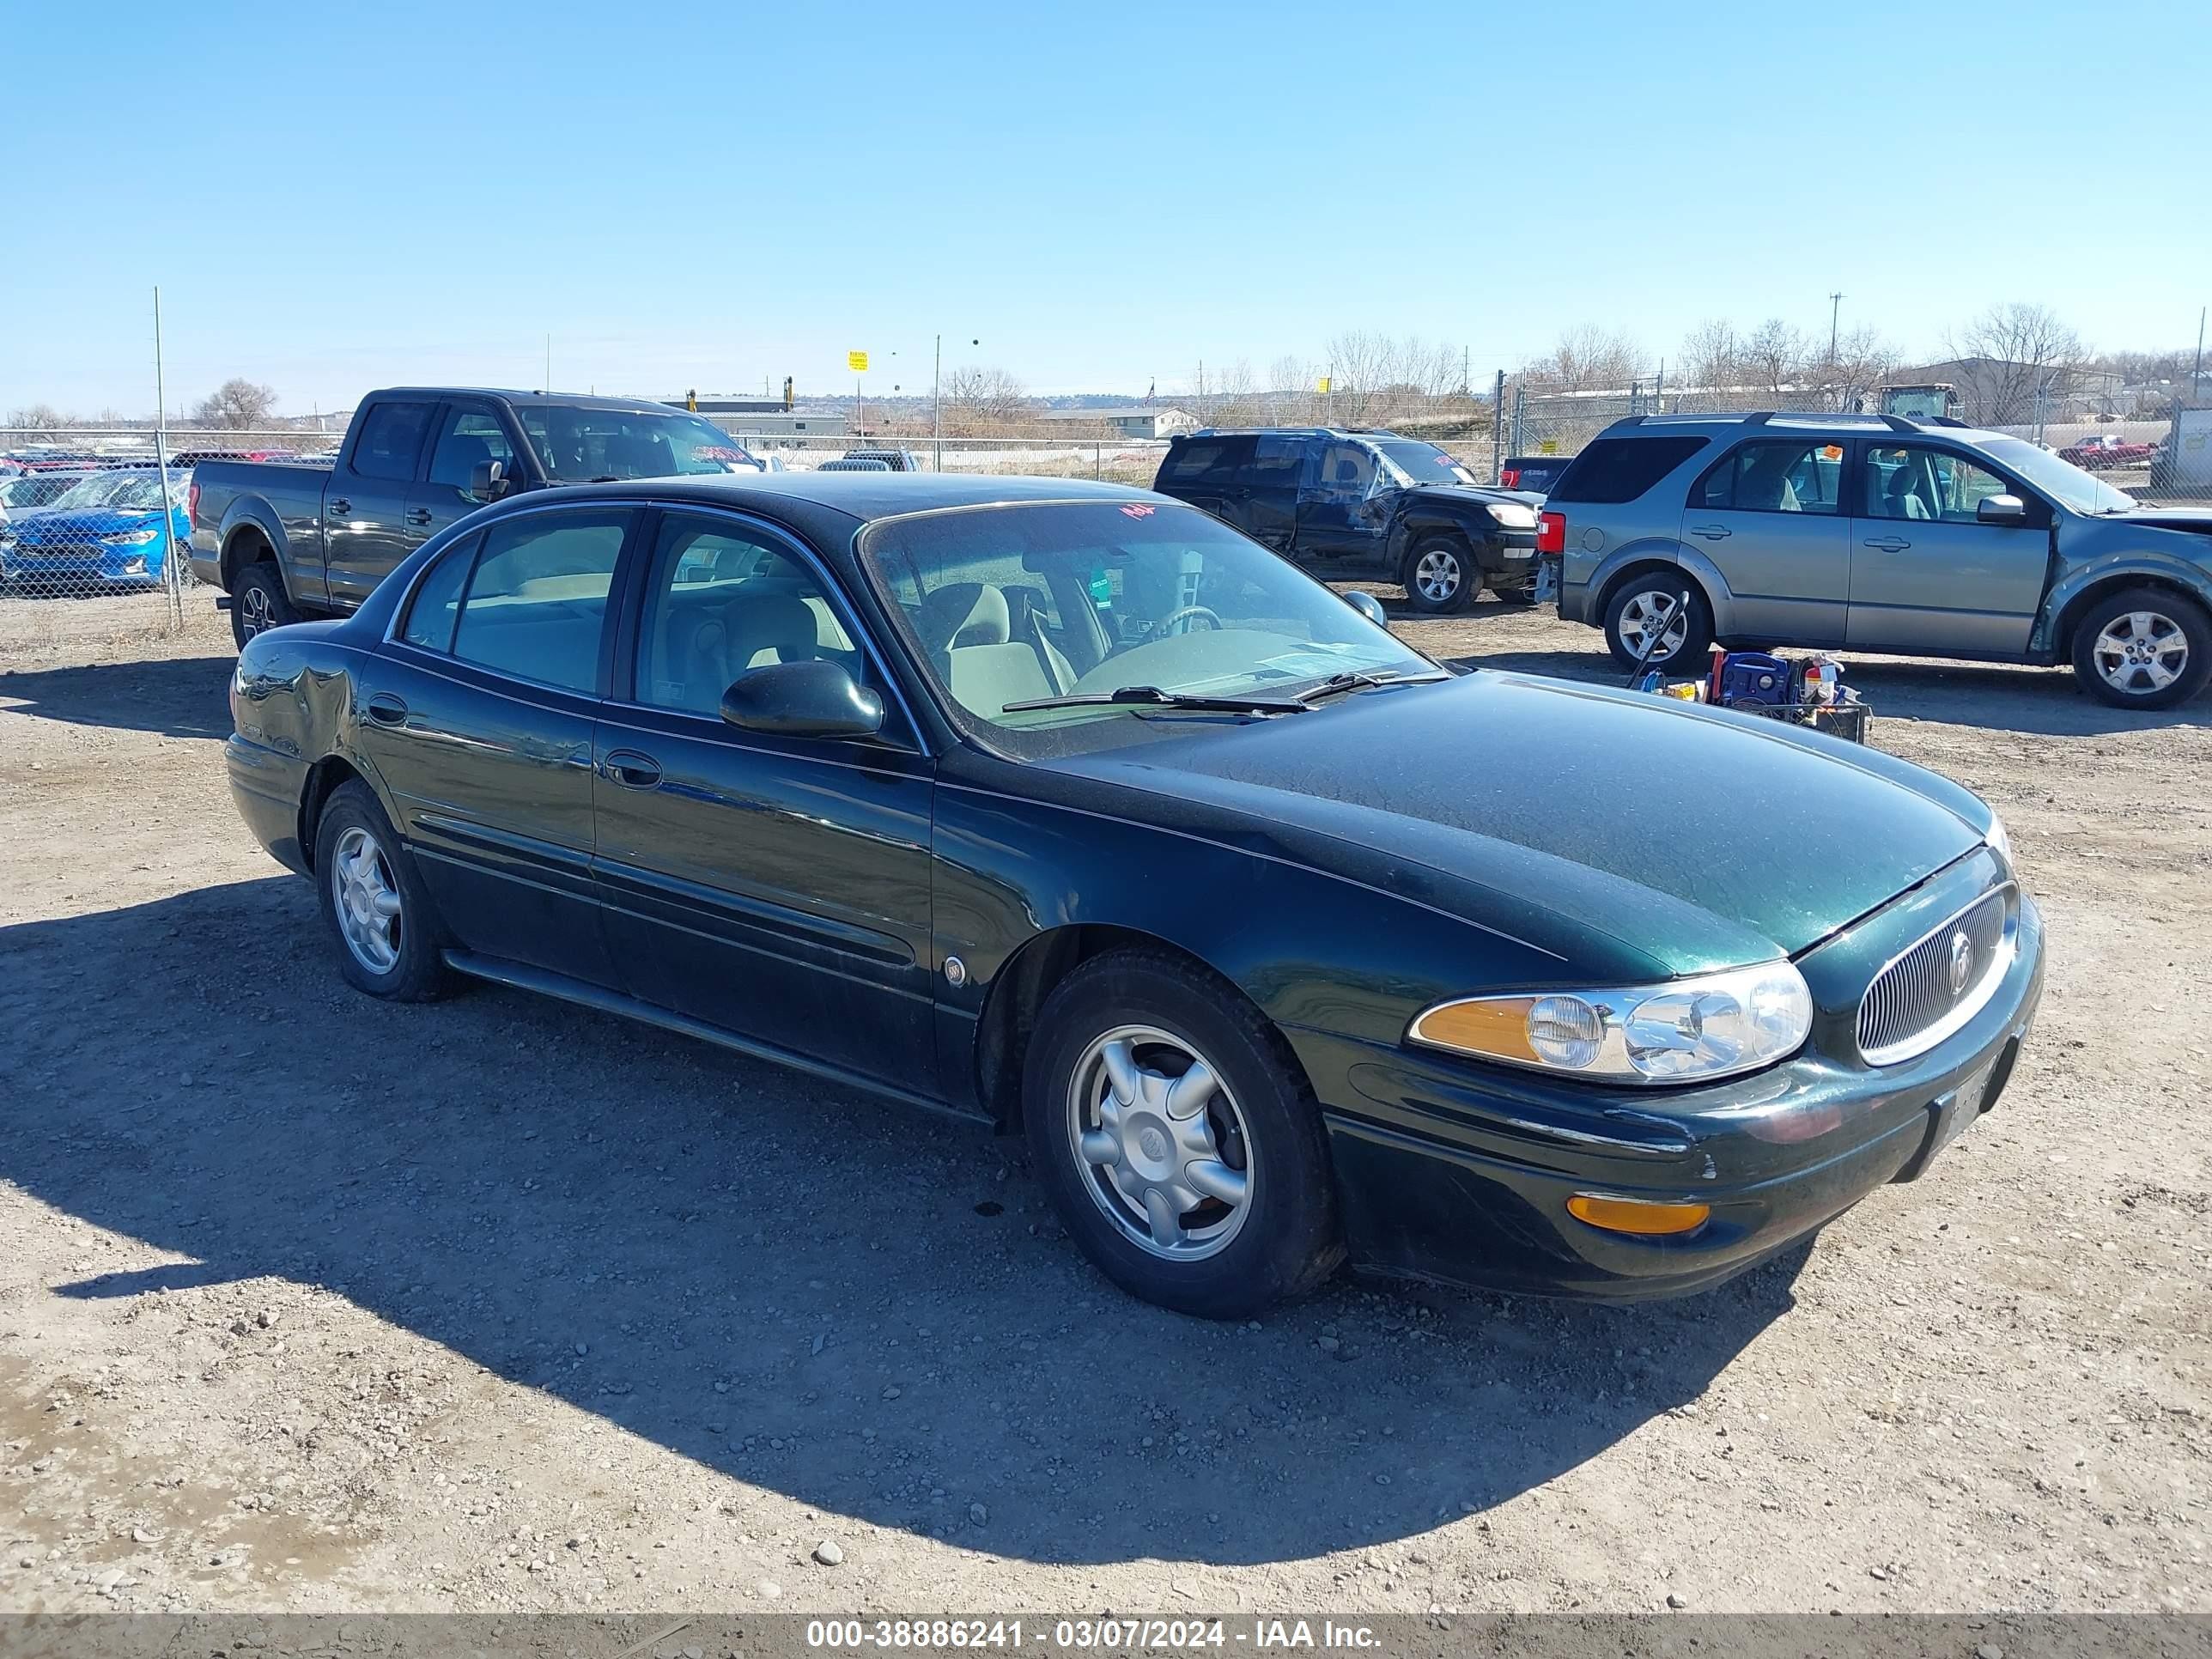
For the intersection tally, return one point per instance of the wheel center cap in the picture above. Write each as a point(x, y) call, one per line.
point(1150, 1147)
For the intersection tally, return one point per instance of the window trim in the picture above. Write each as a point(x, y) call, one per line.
point(414, 475)
point(1692, 501)
point(629, 628)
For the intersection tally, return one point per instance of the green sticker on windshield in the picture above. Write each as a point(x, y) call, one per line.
point(1102, 587)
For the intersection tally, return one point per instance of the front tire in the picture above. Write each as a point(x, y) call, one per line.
point(387, 930)
point(1439, 576)
point(1665, 602)
point(2143, 648)
point(1181, 1146)
point(259, 603)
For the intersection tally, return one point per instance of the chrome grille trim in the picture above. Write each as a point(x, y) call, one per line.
point(1910, 1007)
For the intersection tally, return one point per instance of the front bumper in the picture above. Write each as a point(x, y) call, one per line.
point(1460, 1173)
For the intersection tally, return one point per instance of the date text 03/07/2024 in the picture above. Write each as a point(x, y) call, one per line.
point(856, 1635)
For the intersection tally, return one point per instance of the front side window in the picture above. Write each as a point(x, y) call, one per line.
point(1906, 481)
point(466, 438)
point(537, 598)
point(585, 446)
point(391, 437)
point(721, 601)
point(1143, 595)
point(1787, 476)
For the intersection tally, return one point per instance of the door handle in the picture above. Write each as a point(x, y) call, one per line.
point(339, 507)
point(1887, 543)
point(1712, 532)
point(630, 769)
point(387, 710)
point(419, 515)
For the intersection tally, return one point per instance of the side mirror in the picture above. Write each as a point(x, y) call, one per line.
point(803, 700)
point(488, 480)
point(1367, 606)
point(2001, 509)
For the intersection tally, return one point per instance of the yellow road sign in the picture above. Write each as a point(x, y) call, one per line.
point(1322, 385)
point(857, 361)
point(1549, 447)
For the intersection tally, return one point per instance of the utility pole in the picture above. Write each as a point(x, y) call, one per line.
point(2197, 374)
point(1497, 428)
point(1835, 311)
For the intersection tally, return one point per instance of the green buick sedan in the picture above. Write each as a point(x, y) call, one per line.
point(1069, 810)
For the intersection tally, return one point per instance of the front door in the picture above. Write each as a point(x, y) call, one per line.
point(1343, 509)
point(479, 718)
point(1926, 575)
point(365, 528)
point(468, 431)
point(1769, 517)
point(777, 887)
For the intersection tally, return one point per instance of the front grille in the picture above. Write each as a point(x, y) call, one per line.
point(1929, 991)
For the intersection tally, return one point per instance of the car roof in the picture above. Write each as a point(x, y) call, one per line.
point(862, 497)
point(552, 399)
point(1786, 419)
point(1291, 431)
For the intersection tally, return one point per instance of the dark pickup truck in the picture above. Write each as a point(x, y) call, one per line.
point(288, 540)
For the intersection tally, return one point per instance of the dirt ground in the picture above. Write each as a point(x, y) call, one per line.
point(313, 1304)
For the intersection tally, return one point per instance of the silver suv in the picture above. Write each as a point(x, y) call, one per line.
point(1874, 532)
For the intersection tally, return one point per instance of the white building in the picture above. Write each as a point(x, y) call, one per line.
point(1129, 420)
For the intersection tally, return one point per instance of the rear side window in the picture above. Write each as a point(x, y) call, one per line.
point(391, 437)
point(1214, 461)
point(1276, 464)
point(1614, 470)
point(538, 598)
point(1189, 463)
point(438, 600)
point(1789, 477)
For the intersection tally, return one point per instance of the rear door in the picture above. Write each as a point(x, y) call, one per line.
point(479, 716)
point(1926, 575)
point(1270, 479)
point(365, 528)
point(1769, 516)
point(469, 430)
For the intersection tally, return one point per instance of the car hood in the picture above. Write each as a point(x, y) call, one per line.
point(1469, 494)
point(2197, 518)
point(1699, 838)
point(78, 523)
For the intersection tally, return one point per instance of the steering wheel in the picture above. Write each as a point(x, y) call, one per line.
point(1188, 612)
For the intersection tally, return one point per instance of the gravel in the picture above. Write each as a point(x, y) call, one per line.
point(505, 1249)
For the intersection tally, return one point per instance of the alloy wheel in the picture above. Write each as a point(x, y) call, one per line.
point(1161, 1145)
point(253, 609)
point(1437, 574)
point(366, 901)
point(2141, 652)
point(1650, 614)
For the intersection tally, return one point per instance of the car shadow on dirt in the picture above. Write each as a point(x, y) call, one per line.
point(176, 697)
point(2036, 701)
point(867, 1309)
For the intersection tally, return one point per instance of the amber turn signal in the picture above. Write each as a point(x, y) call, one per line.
point(1634, 1215)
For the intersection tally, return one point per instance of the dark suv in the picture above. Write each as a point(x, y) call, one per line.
point(1363, 503)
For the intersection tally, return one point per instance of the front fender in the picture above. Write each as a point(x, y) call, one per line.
point(1480, 533)
point(2077, 579)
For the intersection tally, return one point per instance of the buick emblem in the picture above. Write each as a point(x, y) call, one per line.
point(1962, 961)
point(1154, 1143)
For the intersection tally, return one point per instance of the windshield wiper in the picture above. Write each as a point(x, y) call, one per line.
point(1355, 679)
point(1151, 697)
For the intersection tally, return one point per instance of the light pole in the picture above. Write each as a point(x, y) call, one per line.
point(937, 405)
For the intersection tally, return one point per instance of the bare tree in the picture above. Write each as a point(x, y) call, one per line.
point(237, 404)
point(1588, 359)
point(2016, 350)
point(977, 399)
point(38, 421)
point(1777, 355)
point(1712, 357)
point(1862, 362)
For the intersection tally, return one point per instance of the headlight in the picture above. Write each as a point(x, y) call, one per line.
point(1998, 841)
point(1688, 1030)
point(129, 538)
point(1513, 515)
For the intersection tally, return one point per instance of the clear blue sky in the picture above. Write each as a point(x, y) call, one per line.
point(334, 197)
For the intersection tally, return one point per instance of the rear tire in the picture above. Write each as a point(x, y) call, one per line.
point(2144, 647)
point(1215, 1200)
point(1640, 604)
point(1439, 576)
point(388, 937)
point(258, 602)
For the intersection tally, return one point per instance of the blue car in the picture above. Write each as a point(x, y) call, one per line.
point(105, 529)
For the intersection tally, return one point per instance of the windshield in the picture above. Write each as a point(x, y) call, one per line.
point(98, 491)
point(1424, 463)
point(144, 489)
point(2083, 491)
point(576, 445)
point(1015, 602)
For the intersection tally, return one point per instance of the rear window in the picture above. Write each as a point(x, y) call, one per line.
point(1614, 469)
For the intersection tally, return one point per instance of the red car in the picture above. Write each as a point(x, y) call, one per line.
point(2103, 449)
